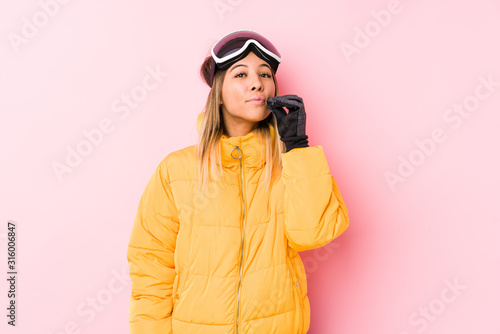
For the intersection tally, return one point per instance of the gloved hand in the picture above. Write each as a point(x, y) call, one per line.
point(291, 126)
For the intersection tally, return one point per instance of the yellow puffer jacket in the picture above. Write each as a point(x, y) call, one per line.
point(228, 264)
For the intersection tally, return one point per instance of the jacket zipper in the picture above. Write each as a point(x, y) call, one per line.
point(242, 237)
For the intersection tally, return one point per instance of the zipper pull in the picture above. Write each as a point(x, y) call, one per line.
point(240, 152)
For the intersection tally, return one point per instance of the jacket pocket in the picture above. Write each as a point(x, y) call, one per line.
point(175, 295)
point(177, 289)
point(297, 282)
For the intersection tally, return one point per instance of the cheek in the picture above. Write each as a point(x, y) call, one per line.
point(234, 94)
point(271, 88)
point(227, 94)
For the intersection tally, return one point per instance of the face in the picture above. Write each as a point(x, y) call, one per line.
point(245, 80)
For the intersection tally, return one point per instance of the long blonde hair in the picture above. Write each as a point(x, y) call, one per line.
point(212, 129)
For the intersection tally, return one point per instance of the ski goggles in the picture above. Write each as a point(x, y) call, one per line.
point(236, 46)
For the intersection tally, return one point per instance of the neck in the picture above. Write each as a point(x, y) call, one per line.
point(237, 130)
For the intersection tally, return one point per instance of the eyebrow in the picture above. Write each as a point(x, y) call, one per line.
point(247, 66)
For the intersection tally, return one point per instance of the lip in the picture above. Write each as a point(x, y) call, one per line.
point(257, 99)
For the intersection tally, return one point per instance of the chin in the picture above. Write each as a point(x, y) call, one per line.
point(261, 116)
point(262, 109)
point(257, 113)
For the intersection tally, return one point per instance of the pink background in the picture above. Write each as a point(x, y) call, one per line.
point(438, 226)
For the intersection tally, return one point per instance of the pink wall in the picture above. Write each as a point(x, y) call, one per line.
point(383, 84)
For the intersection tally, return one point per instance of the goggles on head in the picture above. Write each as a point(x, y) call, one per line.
point(236, 46)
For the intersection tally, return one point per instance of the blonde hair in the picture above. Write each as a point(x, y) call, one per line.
point(212, 129)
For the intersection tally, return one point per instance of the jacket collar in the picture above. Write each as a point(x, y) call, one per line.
point(250, 145)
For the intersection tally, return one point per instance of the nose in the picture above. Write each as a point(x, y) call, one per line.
point(256, 83)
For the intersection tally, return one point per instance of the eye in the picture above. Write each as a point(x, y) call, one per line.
point(241, 74)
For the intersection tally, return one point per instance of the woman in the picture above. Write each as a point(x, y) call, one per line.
point(214, 245)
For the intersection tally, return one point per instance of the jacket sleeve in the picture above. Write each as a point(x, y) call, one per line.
point(151, 257)
point(314, 210)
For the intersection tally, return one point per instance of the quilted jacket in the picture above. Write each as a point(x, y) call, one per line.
point(229, 263)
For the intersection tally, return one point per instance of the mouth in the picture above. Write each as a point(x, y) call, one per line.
point(257, 100)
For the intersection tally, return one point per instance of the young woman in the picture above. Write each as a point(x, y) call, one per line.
point(214, 245)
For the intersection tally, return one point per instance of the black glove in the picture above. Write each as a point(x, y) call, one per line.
point(291, 126)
